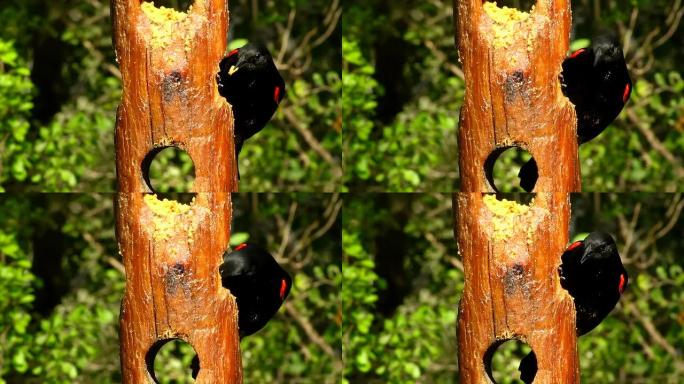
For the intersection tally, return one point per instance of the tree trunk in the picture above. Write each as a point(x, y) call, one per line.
point(172, 251)
point(513, 96)
point(510, 251)
point(511, 254)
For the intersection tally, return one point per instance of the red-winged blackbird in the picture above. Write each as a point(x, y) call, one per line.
point(597, 82)
point(259, 284)
point(251, 83)
point(592, 273)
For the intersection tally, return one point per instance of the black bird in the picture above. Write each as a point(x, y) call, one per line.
point(597, 82)
point(259, 284)
point(251, 83)
point(592, 273)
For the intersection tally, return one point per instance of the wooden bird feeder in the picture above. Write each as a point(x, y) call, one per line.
point(511, 62)
point(172, 251)
point(511, 251)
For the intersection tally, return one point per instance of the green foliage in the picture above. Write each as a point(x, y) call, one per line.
point(78, 337)
point(359, 101)
point(416, 150)
point(70, 149)
point(16, 291)
point(172, 170)
point(15, 106)
point(172, 362)
point(641, 148)
point(418, 337)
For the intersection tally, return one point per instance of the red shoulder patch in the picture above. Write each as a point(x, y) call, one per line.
point(283, 289)
point(240, 247)
point(574, 245)
point(276, 95)
point(626, 92)
point(621, 286)
point(577, 53)
point(234, 51)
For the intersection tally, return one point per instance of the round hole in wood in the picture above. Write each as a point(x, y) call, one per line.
point(171, 361)
point(511, 169)
point(168, 169)
point(510, 361)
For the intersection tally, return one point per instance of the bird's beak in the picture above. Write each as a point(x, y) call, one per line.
point(232, 70)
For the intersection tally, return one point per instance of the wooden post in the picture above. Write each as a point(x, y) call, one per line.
point(172, 251)
point(511, 61)
point(511, 252)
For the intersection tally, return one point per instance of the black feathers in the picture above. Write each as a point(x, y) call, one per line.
point(592, 273)
point(597, 82)
point(259, 284)
point(251, 83)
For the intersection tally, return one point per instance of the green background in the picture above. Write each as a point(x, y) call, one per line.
point(388, 305)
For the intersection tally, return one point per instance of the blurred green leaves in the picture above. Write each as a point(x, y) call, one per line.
point(417, 148)
point(16, 93)
point(78, 336)
point(411, 343)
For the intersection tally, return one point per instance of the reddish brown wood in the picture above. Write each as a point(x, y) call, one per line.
point(513, 95)
point(170, 96)
point(172, 252)
point(512, 288)
point(510, 260)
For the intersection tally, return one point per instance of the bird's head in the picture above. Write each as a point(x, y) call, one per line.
point(248, 58)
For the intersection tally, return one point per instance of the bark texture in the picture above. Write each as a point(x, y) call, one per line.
point(172, 251)
point(511, 64)
point(511, 252)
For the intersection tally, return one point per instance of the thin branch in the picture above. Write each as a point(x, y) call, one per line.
point(311, 332)
point(651, 329)
point(309, 137)
point(656, 144)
